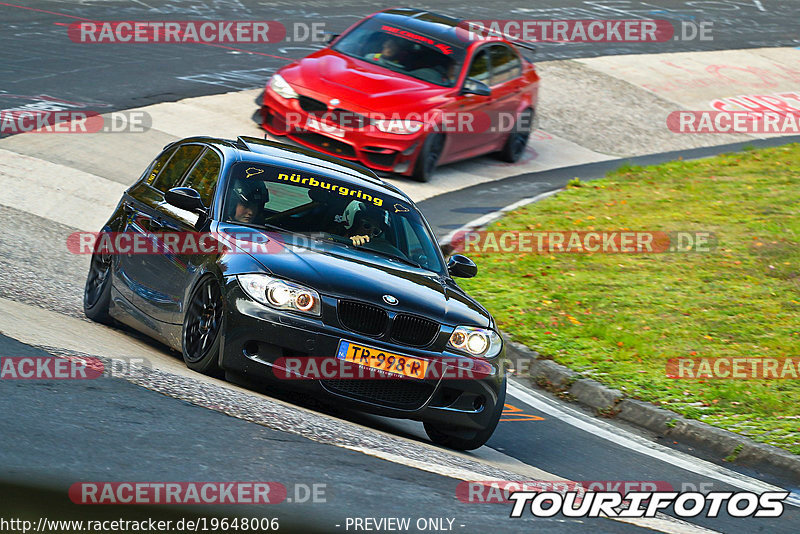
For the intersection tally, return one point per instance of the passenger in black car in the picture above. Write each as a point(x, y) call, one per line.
point(361, 224)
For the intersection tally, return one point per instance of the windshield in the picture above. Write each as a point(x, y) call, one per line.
point(322, 208)
point(404, 51)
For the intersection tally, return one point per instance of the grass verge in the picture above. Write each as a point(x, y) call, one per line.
point(618, 318)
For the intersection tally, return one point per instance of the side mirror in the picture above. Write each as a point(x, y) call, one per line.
point(185, 198)
point(461, 266)
point(475, 87)
point(331, 37)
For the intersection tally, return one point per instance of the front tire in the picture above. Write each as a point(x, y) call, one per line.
point(466, 439)
point(428, 157)
point(97, 291)
point(202, 326)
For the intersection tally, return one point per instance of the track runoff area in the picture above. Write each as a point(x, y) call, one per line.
point(624, 478)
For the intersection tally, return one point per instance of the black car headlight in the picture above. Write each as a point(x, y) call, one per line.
point(476, 341)
point(280, 294)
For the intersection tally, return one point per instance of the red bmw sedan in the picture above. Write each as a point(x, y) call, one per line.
point(405, 90)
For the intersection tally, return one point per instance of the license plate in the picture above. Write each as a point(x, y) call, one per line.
point(314, 124)
point(382, 360)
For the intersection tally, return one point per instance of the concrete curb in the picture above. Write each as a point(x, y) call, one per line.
point(607, 402)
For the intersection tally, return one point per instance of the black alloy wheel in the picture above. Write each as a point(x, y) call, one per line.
point(201, 327)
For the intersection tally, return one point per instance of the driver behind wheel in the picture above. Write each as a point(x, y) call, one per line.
point(390, 51)
point(249, 201)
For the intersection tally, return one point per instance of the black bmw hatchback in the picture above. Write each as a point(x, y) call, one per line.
point(278, 265)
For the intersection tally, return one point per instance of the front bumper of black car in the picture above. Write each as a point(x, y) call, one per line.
point(257, 339)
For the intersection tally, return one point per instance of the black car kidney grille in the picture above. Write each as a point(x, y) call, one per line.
point(363, 318)
point(413, 330)
point(407, 394)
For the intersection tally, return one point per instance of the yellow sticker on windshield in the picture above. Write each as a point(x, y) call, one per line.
point(253, 171)
point(322, 184)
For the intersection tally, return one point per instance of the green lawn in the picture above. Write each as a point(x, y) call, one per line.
point(617, 318)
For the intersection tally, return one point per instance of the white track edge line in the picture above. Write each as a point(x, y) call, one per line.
point(644, 446)
point(489, 217)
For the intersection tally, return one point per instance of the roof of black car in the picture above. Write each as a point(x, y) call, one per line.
point(441, 27)
point(257, 150)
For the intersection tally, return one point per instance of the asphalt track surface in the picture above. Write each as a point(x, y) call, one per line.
point(57, 432)
point(38, 58)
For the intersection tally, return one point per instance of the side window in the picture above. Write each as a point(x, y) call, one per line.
point(157, 165)
point(505, 64)
point(203, 176)
point(479, 69)
point(177, 165)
